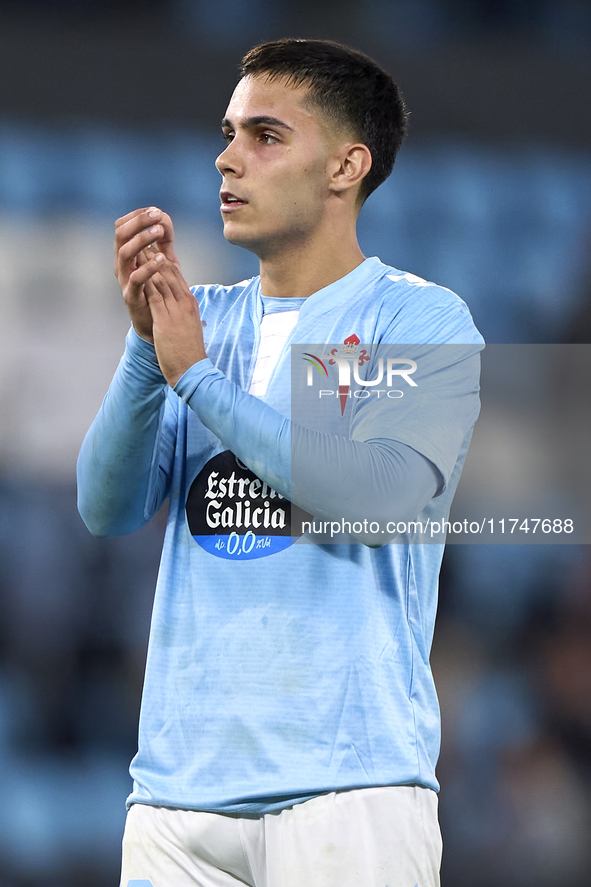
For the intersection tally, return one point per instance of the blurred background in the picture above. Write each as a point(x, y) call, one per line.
point(106, 106)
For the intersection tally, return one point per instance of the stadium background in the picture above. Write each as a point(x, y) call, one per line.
point(105, 106)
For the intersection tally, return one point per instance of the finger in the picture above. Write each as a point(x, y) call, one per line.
point(133, 214)
point(176, 270)
point(128, 252)
point(128, 226)
point(151, 292)
point(163, 286)
point(173, 273)
point(142, 274)
point(168, 236)
point(176, 285)
point(156, 300)
point(165, 241)
point(148, 253)
point(145, 256)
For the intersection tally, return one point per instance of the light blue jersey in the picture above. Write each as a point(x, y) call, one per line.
point(280, 667)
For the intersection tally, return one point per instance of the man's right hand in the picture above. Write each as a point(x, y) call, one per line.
point(139, 237)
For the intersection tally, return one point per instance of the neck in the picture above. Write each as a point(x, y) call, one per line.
point(305, 268)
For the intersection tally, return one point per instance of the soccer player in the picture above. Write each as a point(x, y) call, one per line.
point(289, 726)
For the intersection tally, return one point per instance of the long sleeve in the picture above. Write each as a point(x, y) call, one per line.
point(125, 461)
point(392, 481)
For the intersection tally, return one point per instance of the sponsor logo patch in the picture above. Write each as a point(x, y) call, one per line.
point(233, 514)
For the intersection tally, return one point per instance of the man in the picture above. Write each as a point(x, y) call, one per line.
point(289, 726)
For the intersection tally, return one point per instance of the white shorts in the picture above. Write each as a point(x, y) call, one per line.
point(371, 837)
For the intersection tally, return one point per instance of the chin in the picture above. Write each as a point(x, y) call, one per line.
point(245, 239)
point(236, 238)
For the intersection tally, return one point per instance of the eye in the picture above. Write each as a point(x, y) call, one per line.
point(227, 136)
point(269, 138)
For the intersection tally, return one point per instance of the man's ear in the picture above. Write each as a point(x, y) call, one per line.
point(351, 164)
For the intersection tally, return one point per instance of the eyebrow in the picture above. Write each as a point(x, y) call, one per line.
point(252, 122)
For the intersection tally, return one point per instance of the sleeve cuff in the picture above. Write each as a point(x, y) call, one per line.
point(191, 379)
point(142, 353)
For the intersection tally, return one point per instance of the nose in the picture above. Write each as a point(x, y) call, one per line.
point(228, 160)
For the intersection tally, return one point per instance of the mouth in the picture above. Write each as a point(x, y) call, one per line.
point(230, 202)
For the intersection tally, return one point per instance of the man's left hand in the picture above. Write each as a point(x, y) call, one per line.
point(178, 335)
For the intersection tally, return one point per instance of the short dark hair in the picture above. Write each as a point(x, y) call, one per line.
point(345, 85)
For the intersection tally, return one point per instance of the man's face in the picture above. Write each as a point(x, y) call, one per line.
point(274, 169)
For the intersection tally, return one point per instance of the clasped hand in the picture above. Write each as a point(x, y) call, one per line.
point(162, 308)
